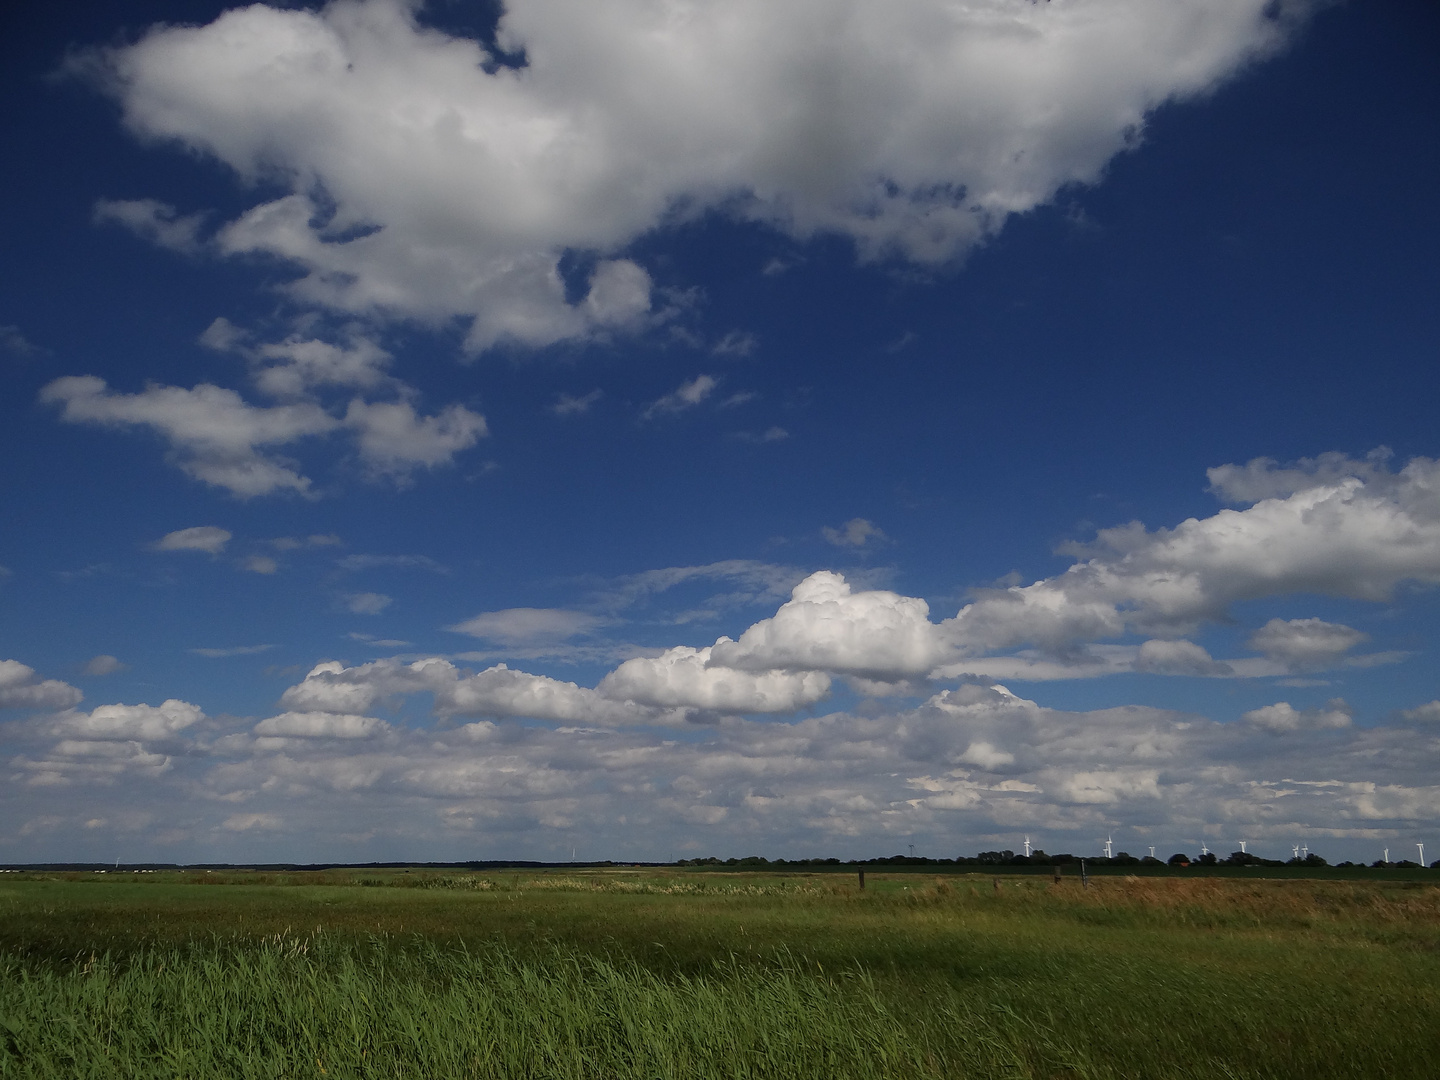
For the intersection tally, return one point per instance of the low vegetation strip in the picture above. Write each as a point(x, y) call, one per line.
point(317, 1006)
point(668, 973)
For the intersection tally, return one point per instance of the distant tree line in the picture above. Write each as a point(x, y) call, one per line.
point(1040, 858)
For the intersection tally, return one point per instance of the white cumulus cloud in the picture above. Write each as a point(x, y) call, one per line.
point(21, 688)
point(1305, 643)
point(394, 440)
point(130, 722)
point(321, 725)
point(1282, 717)
point(827, 627)
point(684, 677)
point(1358, 536)
point(295, 366)
point(453, 186)
point(1429, 713)
point(214, 435)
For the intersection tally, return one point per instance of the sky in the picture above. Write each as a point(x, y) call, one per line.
point(659, 429)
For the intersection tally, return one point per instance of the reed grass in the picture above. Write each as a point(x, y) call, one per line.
point(668, 974)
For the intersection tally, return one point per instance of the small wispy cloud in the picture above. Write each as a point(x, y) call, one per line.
point(158, 222)
point(366, 603)
point(237, 650)
point(393, 562)
point(378, 643)
point(291, 543)
point(515, 626)
point(570, 405)
point(908, 338)
point(855, 533)
point(14, 342)
point(686, 396)
point(207, 538)
point(736, 343)
point(769, 435)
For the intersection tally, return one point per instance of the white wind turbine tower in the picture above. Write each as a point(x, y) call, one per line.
point(1027, 847)
point(1387, 855)
point(1152, 851)
point(1296, 849)
point(1304, 851)
point(1422, 853)
point(1109, 844)
point(1242, 846)
point(1203, 849)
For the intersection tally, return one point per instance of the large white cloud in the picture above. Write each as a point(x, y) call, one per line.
point(427, 182)
point(827, 627)
point(126, 722)
point(108, 743)
point(683, 677)
point(497, 691)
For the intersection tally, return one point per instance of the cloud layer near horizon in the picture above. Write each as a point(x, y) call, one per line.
point(966, 764)
point(705, 738)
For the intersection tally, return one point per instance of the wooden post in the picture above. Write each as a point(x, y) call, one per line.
point(1057, 873)
point(862, 879)
point(997, 884)
point(1084, 877)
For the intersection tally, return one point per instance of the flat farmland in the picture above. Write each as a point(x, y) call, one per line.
point(679, 973)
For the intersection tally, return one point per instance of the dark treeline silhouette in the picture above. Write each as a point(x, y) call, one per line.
point(993, 859)
point(986, 859)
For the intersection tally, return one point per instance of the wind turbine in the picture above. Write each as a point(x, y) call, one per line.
point(1422, 853)
point(1242, 846)
point(1296, 849)
point(1305, 850)
point(1027, 847)
point(1203, 849)
point(1387, 856)
point(1152, 851)
point(1109, 842)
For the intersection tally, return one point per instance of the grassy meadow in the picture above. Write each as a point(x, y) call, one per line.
point(674, 973)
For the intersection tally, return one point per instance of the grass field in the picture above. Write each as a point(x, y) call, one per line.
point(682, 974)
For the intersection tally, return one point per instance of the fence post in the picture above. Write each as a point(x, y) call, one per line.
point(862, 879)
point(1084, 877)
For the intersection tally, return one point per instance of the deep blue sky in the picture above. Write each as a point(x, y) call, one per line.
point(1254, 278)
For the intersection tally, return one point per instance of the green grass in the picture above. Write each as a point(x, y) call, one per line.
point(698, 975)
